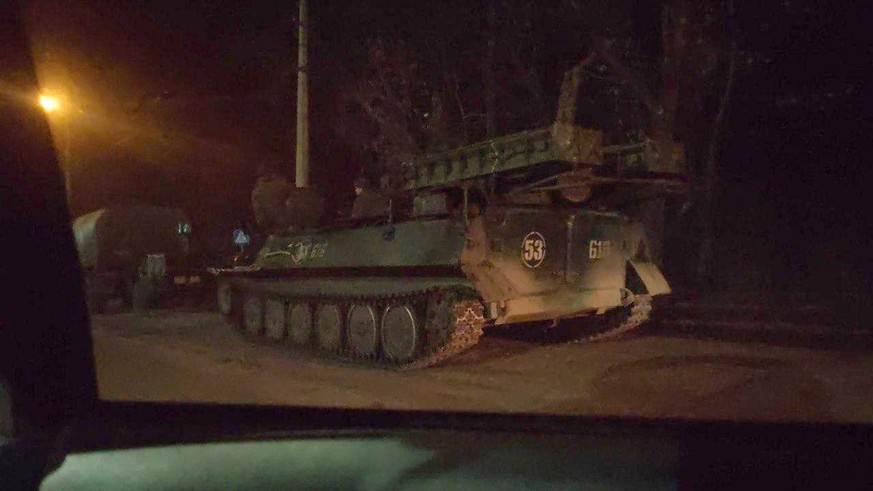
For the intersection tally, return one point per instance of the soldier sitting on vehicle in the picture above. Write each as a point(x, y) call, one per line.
point(369, 203)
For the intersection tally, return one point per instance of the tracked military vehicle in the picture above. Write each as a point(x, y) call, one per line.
point(511, 231)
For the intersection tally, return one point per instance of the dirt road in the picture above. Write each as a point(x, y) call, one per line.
point(661, 372)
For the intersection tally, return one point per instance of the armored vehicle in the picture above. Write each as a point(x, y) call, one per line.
point(132, 252)
point(478, 241)
point(515, 230)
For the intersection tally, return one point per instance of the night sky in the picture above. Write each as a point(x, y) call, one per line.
point(189, 96)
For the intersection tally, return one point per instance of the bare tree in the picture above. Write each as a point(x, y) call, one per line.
point(393, 95)
point(401, 100)
point(517, 60)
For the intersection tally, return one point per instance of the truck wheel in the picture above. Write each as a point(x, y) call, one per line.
point(144, 294)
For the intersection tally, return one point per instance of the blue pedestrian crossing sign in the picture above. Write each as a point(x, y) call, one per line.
point(241, 238)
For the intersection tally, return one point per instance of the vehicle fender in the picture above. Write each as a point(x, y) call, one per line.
point(649, 275)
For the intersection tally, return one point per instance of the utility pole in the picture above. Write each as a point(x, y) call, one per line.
point(488, 69)
point(302, 174)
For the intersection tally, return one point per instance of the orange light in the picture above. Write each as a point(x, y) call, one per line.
point(49, 104)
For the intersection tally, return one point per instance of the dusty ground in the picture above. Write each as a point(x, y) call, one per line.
point(763, 369)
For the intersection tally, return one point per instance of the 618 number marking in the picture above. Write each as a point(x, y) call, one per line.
point(599, 249)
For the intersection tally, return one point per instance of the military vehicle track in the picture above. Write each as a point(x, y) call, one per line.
point(629, 319)
point(453, 322)
point(403, 331)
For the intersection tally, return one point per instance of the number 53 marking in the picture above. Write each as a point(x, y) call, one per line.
point(533, 249)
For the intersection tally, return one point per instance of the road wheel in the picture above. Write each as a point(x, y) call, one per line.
point(253, 315)
point(144, 294)
point(299, 323)
point(274, 319)
point(328, 327)
point(362, 334)
point(225, 298)
point(401, 334)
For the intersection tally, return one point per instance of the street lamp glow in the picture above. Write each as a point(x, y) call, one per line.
point(49, 104)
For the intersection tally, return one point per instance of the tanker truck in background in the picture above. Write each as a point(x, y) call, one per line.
point(134, 255)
